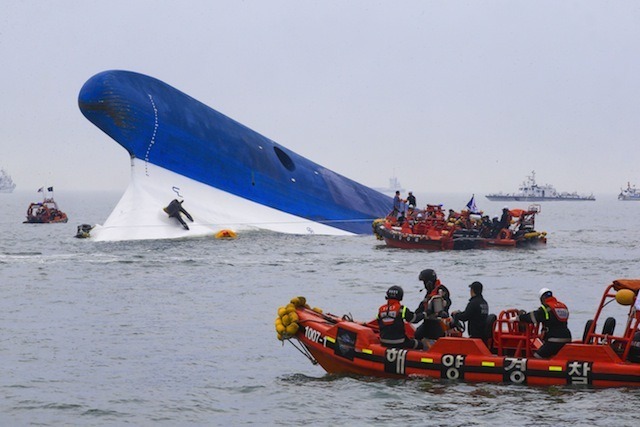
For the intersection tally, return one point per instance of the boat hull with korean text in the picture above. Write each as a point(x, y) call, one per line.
point(600, 359)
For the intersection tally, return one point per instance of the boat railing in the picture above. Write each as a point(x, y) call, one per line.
point(620, 343)
point(514, 338)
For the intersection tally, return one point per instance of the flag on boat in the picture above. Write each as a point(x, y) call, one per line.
point(40, 189)
point(50, 189)
point(472, 205)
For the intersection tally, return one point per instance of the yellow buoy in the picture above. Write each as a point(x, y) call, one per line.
point(292, 329)
point(298, 301)
point(226, 234)
point(286, 320)
point(282, 311)
point(625, 296)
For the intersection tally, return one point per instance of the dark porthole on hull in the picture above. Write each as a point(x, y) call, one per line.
point(284, 159)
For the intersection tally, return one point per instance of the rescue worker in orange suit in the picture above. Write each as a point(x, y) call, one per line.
point(476, 312)
point(391, 318)
point(554, 315)
point(175, 209)
point(434, 306)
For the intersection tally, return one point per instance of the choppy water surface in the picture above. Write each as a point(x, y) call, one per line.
point(181, 332)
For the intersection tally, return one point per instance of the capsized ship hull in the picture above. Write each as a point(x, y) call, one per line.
point(228, 175)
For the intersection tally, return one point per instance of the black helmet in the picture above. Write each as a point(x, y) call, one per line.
point(428, 276)
point(395, 292)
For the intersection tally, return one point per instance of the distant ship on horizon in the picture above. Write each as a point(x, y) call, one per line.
point(529, 191)
point(394, 185)
point(629, 193)
point(6, 183)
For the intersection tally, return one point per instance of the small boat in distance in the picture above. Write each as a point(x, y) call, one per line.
point(6, 183)
point(45, 212)
point(630, 193)
point(529, 191)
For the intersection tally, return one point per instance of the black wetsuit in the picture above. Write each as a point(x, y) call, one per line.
point(475, 314)
point(553, 315)
point(175, 209)
point(431, 328)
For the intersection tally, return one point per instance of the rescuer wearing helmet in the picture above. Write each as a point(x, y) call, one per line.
point(391, 317)
point(434, 287)
point(435, 305)
point(554, 315)
point(475, 313)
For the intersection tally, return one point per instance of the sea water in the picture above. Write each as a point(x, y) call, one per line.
point(181, 332)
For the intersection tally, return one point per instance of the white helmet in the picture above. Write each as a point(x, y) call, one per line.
point(544, 292)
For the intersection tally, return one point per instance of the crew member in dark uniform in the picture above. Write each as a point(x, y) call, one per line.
point(505, 219)
point(554, 316)
point(435, 306)
point(411, 199)
point(391, 318)
point(175, 209)
point(475, 313)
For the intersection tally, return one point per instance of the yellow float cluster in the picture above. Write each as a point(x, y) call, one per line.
point(287, 321)
point(534, 234)
point(374, 225)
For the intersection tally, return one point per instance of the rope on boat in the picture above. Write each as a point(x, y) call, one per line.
point(302, 349)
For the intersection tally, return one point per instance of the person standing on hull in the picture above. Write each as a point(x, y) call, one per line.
point(434, 306)
point(554, 315)
point(398, 205)
point(411, 199)
point(391, 317)
point(475, 314)
point(175, 209)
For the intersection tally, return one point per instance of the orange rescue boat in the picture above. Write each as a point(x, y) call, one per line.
point(343, 346)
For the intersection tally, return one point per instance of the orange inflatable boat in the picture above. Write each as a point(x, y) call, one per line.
point(600, 359)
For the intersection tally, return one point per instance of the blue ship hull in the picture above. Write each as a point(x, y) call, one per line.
point(161, 126)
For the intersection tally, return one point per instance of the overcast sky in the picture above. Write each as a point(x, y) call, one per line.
point(451, 96)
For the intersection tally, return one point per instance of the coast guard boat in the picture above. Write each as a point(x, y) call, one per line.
point(601, 358)
point(629, 193)
point(529, 191)
point(394, 185)
point(228, 176)
point(45, 212)
point(6, 183)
